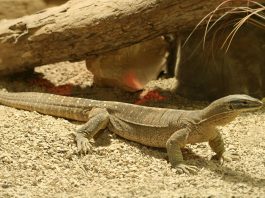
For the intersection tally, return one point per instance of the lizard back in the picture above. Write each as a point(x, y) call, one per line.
point(78, 108)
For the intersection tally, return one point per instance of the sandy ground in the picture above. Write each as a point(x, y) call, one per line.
point(38, 154)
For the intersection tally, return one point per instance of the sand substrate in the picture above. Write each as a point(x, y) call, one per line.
point(38, 154)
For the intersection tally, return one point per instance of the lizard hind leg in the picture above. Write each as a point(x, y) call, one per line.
point(98, 120)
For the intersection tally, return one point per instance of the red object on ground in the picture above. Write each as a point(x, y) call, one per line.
point(150, 96)
point(65, 90)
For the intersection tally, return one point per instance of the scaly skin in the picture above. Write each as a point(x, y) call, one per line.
point(157, 127)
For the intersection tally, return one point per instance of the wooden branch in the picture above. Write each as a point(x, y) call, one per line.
point(81, 28)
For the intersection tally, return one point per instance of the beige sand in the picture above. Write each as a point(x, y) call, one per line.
point(38, 154)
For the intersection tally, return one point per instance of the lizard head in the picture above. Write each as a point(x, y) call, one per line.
point(227, 108)
point(238, 103)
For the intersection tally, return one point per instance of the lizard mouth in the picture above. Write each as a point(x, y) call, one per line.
point(248, 106)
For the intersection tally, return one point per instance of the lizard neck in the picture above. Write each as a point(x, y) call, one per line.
point(217, 115)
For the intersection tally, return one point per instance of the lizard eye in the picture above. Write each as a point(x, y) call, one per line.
point(245, 102)
point(230, 107)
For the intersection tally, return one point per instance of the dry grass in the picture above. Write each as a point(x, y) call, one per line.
point(253, 13)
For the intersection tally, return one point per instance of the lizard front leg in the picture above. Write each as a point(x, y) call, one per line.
point(173, 145)
point(217, 145)
point(98, 119)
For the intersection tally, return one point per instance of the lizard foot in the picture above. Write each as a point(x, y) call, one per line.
point(83, 145)
point(184, 168)
point(225, 157)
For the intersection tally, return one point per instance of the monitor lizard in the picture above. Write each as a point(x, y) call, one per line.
point(156, 127)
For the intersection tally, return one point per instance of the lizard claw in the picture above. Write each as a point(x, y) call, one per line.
point(83, 145)
point(228, 157)
point(188, 169)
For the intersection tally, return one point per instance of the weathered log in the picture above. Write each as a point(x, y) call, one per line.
point(81, 28)
point(54, 2)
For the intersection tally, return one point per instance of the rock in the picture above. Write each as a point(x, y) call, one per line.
point(132, 67)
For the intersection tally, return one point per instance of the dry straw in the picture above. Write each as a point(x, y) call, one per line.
point(254, 13)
